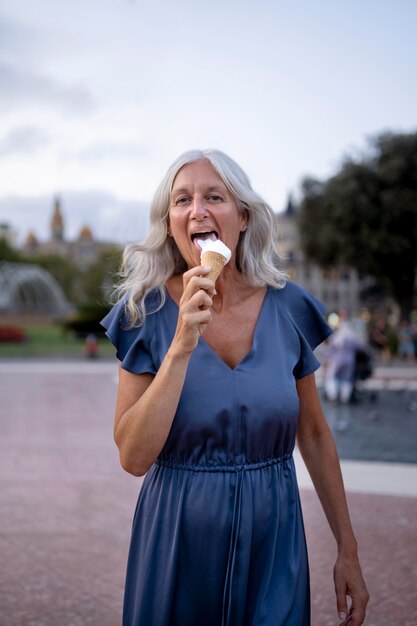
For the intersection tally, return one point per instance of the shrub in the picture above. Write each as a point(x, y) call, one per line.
point(87, 321)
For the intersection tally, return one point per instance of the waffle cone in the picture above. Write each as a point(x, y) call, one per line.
point(216, 261)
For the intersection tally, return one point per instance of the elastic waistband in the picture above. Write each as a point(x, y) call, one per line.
point(229, 467)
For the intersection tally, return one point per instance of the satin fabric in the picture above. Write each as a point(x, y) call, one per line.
point(218, 536)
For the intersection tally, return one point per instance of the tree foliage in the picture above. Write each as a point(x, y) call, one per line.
point(62, 269)
point(97, 281)
point(365, 215)
point(92, 286)
point(8, 253)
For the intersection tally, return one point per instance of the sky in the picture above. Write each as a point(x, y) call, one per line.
point(98, 97)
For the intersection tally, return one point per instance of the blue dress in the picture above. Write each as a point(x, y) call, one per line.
point(218, 536)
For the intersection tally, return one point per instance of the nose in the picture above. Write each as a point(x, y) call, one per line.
point(198, 209)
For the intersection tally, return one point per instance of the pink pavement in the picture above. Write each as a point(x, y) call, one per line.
point(67, 506)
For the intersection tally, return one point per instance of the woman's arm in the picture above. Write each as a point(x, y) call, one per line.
point(146, 404)
point(317, 447)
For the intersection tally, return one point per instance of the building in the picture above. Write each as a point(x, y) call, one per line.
point(84, 250)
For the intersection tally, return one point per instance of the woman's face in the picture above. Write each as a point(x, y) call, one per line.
point(202, 207)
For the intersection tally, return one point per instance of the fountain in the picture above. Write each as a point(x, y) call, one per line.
point(27, 288)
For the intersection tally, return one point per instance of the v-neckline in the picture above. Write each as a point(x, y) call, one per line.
point(248, 354)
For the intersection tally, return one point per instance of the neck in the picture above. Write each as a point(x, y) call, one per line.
point(229, 287)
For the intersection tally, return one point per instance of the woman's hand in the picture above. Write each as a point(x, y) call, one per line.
point(348, 581)
point(194, 309)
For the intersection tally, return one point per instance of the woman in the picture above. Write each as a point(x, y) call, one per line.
point(216, 381)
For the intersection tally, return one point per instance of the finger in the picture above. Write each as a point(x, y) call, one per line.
point(212, 289)
point(208, 283)
point(360, 599)
point(347, 621)
point(198, 270)
point(192, 300)
point(357, 616)
point(341, 602)
point(195, 282)
point(194, 297)
point(205, 319)
point(200, 319)
point(201, 300)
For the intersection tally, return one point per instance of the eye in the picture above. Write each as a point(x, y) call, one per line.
point(182, 200)
point(215, 197)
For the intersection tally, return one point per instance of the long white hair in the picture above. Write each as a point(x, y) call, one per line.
point(148, 265)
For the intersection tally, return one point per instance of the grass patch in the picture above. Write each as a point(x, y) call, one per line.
point(51, 341)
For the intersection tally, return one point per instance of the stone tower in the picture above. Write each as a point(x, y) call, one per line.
point(57, 222)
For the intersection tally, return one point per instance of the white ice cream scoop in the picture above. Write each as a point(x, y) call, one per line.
point(208, 245)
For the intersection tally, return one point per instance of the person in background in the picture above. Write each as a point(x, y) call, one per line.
point(379, 336)
point(413, 331)
point(91, 346)
point(405, 342)
point(340, 375)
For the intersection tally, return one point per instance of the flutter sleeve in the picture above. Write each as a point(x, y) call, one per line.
point(133, 345)
point(307, 317)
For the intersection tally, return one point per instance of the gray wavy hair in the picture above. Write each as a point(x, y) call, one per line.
point(147, 266)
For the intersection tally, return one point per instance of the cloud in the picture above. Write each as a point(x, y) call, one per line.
point(110, 218)
point(23, 140)
point(20, 87)
point(110, 149)
point(17, 38)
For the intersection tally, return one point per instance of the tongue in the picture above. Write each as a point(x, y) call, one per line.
point(207, 236)
point(204, 237)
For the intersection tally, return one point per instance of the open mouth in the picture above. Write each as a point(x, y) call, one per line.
point(205, 235)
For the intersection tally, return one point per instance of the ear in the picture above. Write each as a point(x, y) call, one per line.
point(245, 220)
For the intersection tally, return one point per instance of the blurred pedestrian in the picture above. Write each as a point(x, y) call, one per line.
point(381, 338)
point(393, 341)
point(91, 346)
point(342, 358)
point(413, 331)
point(378, 334)
point(406, 345)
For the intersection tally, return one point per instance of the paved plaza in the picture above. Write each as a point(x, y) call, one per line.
point(67, 506)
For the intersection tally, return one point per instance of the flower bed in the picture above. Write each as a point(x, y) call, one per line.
point(12, 334)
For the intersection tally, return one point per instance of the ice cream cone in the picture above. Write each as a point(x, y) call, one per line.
point(215, 254)
point(216, 261)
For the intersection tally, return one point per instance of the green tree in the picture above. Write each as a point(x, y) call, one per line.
point(8, 253)
point(365, 216)
point(95, 282)
point(62, 269)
